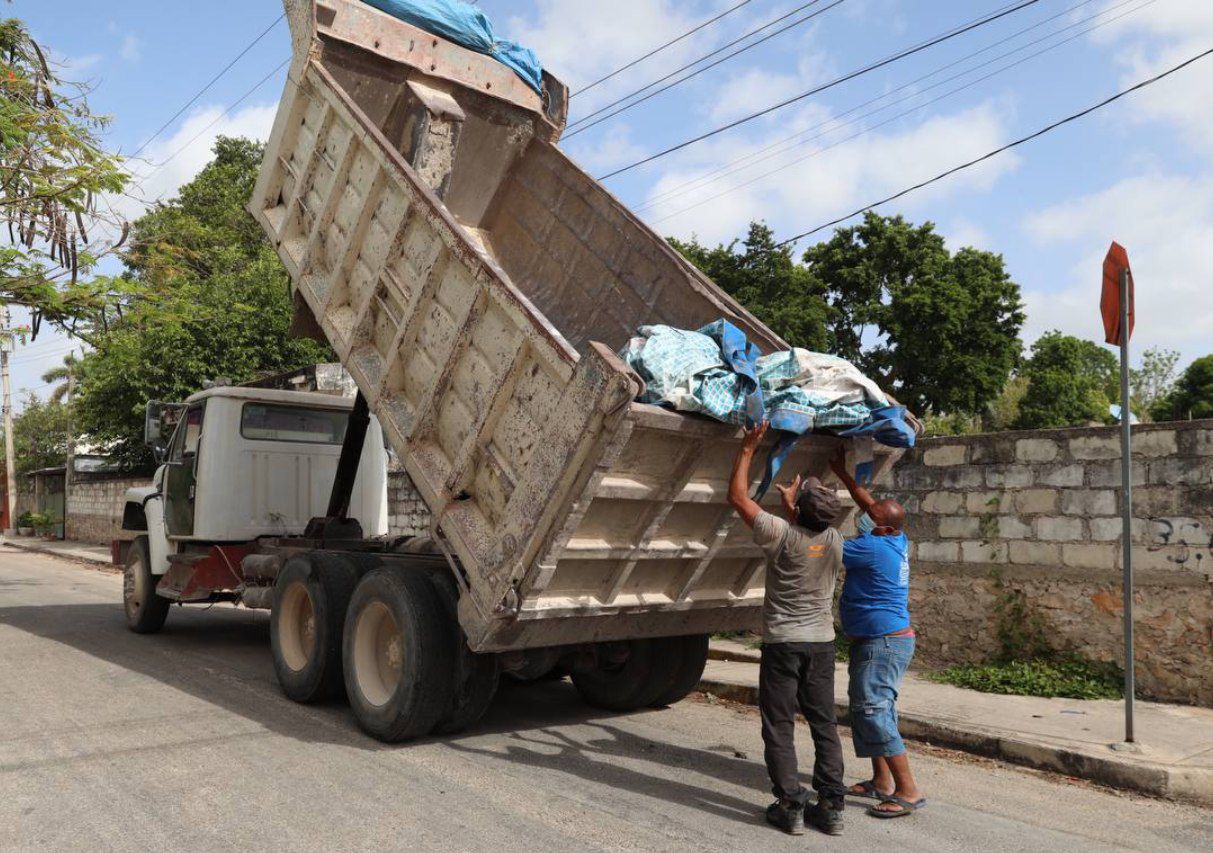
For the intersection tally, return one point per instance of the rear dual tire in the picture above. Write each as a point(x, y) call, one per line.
point(653, 673)
point(400, 662)
point(311, 596)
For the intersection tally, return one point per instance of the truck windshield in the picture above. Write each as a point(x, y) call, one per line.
point(267, 422)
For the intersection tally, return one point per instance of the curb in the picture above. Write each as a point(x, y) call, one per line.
point(1194, 785)
point(77, 556)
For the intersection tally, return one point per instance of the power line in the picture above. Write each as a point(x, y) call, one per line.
point(1031, 136)
point(835, 82)
point(216, 120)
point(659, 49)
point(761, 155)
point(699, 71)
point(205, 88)
point(917, 108)
point(574, 126)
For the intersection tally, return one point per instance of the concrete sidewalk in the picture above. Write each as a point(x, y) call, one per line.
point(99, 554)
point(1173, 759)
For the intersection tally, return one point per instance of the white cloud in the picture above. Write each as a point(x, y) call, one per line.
point(153, 182)
point(608, 150)
point(962, 233)
point(827, 183)
point(131, 48)
point(1143, 45)
point(1166, 223)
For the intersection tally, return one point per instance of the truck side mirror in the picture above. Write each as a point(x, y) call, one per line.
point(159, 422)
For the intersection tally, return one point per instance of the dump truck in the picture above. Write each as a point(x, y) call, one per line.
point(477, 284)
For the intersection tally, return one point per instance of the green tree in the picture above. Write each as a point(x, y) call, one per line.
point(766, 280)
point(1153, 381)
point(1192, 396)
point(52, 171)
point(1003, 411)
point(219, 306)
point(939, 329)
point(61, 376)
point(1070, 383)
point(40, 435)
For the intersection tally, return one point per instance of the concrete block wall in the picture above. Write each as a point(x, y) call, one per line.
point(407, 513)
point(94, 508)
point(1040, 512)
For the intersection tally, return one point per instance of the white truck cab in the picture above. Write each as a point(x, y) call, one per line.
point(245, 463)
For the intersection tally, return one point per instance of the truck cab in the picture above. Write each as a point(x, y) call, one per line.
point(247, 463)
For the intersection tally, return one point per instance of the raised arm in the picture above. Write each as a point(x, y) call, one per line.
point(862, 497)
point(739, 482)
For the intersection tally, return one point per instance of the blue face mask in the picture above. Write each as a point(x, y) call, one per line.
point(865, 524)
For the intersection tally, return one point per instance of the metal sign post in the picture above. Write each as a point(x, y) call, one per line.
point(1116, 306)
point(1126, 478)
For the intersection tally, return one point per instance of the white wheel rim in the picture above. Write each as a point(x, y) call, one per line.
point(133, 583)
point(378, 653)
point(297, 626)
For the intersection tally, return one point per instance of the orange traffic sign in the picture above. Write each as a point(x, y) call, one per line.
point(1114, 265)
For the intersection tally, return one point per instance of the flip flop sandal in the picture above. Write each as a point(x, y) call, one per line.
point(905, 807)
point(869, 792)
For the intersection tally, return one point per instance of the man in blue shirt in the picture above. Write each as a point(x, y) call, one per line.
point(875, 614)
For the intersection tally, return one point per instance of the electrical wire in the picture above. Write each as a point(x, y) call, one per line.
point(888, 60)
point(917, 108)
point(205, 88)
point(216, 120)
point(991, 154)
point(574, 126)
point(761, 155)
point(659, 49)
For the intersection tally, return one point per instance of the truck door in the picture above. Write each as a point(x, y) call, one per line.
point(181, 471)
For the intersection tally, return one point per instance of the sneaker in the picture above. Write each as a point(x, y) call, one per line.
point(787, 815)
point(821, 815)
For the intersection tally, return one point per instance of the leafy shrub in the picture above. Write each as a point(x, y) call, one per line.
point(1069, 678)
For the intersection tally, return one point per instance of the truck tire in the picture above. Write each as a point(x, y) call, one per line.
point(399, 656)
point(689, 655)
point(311, 595)
point(634, 683)
point(476, 676)
point(145, 610)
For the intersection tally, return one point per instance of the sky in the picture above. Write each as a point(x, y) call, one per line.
point(1139, 172)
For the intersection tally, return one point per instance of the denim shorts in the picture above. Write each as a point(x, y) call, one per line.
point(876, 667)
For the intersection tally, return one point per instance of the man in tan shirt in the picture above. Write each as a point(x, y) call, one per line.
point(804, 559)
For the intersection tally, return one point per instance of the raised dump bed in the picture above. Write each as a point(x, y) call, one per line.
point(477, 284)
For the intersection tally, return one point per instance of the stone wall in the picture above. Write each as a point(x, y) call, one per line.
point(407, 513)
point(1036, 514)
point(94, 507)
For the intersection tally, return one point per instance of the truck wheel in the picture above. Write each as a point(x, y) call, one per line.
point(311, 595)
point(476, 676)
point(399, 655)
point(145, 610)
point(629, 684)
point(689, 655)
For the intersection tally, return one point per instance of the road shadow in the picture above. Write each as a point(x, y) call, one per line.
point(596, 759)
point(221, 655)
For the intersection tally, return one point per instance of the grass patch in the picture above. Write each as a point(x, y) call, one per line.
point(1068, 678)
point(842, 647)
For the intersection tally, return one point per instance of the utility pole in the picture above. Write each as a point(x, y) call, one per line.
point(10, 464)
point(70, 362)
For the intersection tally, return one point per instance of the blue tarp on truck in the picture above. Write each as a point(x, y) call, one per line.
point(466, 25)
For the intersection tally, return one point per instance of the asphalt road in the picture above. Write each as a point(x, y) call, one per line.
point(182, 741)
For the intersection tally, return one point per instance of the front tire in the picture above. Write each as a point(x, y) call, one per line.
point(145, 610)
point(311, 595)
point(399, 656)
